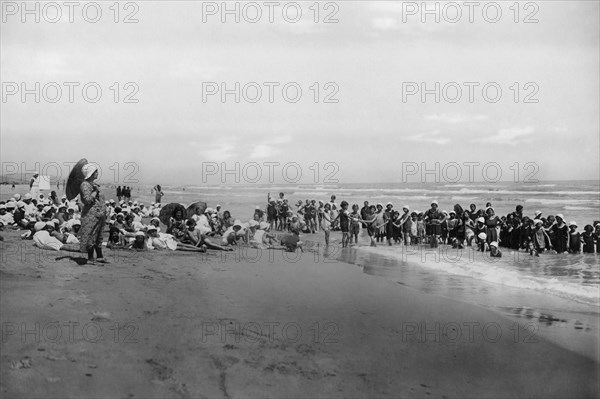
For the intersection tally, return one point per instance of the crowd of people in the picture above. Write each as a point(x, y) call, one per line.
point(81, 225)
point(458, 227)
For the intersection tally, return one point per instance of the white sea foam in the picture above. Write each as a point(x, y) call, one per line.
point(472, 265)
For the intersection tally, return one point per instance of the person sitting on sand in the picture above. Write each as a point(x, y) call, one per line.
point(19, 215)
point(202, 220)
point(154, 222)
point(5, 216)
point(291, 241)
point(263, 239)
point(177, 225)
point(230, 236)
point(226, 222)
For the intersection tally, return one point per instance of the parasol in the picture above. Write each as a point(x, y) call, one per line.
point(196, 208)
point(459, 210)
point(76, 177)
point(168, 210)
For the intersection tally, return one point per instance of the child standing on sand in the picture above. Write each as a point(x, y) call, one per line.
point(326, 222)
point(420, 229)
point(344, 217)
point(354, 224)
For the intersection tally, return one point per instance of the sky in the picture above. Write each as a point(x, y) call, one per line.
point(371, 62)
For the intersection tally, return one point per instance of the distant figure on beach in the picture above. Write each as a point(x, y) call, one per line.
point(119, 193)
point(159, 194)
point(34, 185)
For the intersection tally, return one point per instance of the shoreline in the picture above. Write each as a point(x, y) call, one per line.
point(214, 327)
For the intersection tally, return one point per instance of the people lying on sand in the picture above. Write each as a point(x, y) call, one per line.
point(44, 240)
point(139, 242)
point(116, 239)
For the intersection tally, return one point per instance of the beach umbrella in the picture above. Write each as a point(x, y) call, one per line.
point(76, 177)
point(458, 209)
point(196, 208)
point(167, 211)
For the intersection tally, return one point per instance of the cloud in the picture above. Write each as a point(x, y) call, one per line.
point(511, 136)
point(216, 151)
point(455, 118)
point(268, 147)
point(431, 137)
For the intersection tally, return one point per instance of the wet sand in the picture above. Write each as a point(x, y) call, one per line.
point(250, 324)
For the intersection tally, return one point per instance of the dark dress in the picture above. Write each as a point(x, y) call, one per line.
point(344, 221)
point(93, 216)
point(588, 243)
point(491, 231)
point(561, 236)
point(575, 243)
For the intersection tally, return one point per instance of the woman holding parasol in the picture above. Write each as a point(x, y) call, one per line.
point(93, 214)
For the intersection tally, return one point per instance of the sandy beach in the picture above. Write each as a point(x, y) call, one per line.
point(251, 324)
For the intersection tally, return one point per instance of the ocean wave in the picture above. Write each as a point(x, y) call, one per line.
point(559, 201)
point(479, 269)
point(463, 198)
